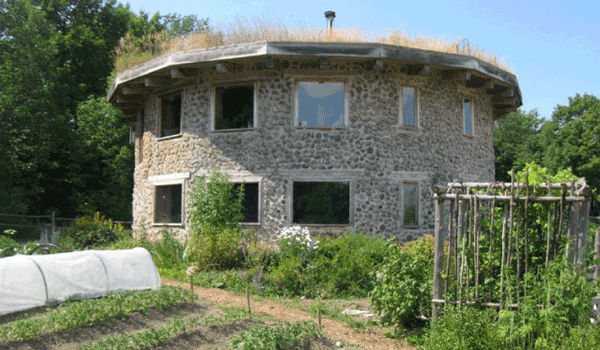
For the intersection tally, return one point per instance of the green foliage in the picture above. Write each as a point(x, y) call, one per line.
point(565, 298)
point(465, 328)
point(218, 249)
point(87, 312)
point(403, 289)
point(338, 267)
point(216, 203)
point(216, 211)
point(516, 142)
point(89, 232)
point(291, 336)
point(8, 246)
point(146, 338)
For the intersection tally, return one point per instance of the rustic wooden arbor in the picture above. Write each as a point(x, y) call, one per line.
point(485, 238)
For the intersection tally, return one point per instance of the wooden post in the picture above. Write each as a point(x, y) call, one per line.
point(438, 258)
point(248, 298)
point(53, 233)
point(582, 235)
point(597, 255)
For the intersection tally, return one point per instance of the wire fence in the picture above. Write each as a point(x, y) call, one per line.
point(45, 228)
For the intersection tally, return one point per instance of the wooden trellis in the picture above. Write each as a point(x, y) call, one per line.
point(492, 220)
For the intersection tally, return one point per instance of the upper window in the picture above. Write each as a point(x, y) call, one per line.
point(321, 203)
point(321, 104)
point(408, 107)
point(410, 204)
point(170, 115)
point(250, 204)
point(468, 116)
point(234, 107)
point(168, 204)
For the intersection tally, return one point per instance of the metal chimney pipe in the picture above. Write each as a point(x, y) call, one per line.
point(329, 15)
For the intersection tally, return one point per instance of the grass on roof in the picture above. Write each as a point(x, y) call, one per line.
point(133, 51)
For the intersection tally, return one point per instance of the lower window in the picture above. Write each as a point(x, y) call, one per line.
point(250, 202)
point(167, 204)
point(321, 203)
point(411, 204)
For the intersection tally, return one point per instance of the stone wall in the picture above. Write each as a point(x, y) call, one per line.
point(374, 152)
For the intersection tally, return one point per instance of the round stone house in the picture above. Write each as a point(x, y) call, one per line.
point(322, 135)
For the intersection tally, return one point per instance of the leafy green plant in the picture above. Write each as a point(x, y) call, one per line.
point(215, 235)
point(291, 336)
point(8, 246)
point(403, 289)
point(93, 231)
point(75, 314)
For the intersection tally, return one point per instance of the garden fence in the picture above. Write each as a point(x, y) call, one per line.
point(488, 236)
point(47, 227)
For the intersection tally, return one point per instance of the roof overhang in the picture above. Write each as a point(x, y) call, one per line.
point(130, 86)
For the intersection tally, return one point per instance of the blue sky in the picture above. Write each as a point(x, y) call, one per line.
point(553, 46)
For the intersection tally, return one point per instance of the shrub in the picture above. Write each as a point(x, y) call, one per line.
point(465, 328)
point(91, 232)
point(403, 291)
point(216, 249)
point(337, 267)
point(8, 246)
point(215, 235)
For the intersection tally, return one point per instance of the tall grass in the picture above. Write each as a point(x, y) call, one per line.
point(243, 29)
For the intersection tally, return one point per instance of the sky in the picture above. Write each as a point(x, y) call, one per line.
point(552, 46)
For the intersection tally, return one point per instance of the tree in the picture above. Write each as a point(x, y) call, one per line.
point(29, 120)
point(516, 142)
point(106, 184)
point(573, 138)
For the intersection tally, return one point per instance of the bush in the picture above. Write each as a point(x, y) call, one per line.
point(403, 291)
point(465, 328)
point(216, 249)
point(215, 235)
point(8, 246)
point(89, 232)
point(334, 267)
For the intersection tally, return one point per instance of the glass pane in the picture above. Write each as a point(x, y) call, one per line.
point(321, 104)
point(410, 204)
point(408, 106)
point(168, 204)
point(234, 107)
point(321, 203)
point(468, 114)
point(250, 202)
point(170, 117)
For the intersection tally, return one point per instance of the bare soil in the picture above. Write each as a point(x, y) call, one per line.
point(217, 336)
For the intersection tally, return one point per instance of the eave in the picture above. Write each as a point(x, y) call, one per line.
point(177, 69)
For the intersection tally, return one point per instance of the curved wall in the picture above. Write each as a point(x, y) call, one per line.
point(374, 153)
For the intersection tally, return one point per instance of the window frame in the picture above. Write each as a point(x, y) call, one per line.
point(159, 127)
point(303, 79)
point(259, 199)
point(169, 180)
point(417, 206)
point(471, 100)
point(401, 88)
point(351, 185)
point(213, 105)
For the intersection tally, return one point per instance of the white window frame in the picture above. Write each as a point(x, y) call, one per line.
point(159, 114)
point(401, 106)
point(169, 180)
point(418, 204)
point(351, 185)
point(319, 80)
point(472, 116)
point(213, 104)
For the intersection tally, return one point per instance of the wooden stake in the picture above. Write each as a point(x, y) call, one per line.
point(248, 298)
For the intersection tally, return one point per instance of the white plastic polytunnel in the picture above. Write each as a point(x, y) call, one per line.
point(28, 281)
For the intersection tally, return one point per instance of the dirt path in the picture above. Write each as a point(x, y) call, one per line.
point(334, 329)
